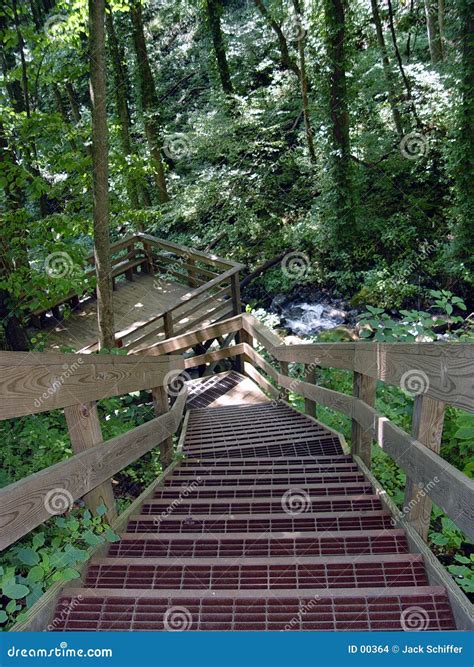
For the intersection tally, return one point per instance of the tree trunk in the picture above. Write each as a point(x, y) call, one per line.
point(286, 60)
point(214, 11)
point(298, 5)
point(465, 149)
point(121, 87)
point(149, 100)
point(105, 313)
point(432, 27)
point(334, 11)
point(406, 80)
point(397, 119)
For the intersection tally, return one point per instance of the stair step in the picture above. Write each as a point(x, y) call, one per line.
point(264, 461)
point(262, 480)
point(310, 447)
point(294, 503)
point(254, 523)
point(272, 544)
point(198, 491)
point(258, 573)
point(323, 610)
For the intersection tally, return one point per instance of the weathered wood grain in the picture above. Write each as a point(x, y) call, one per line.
point(28, 503)
point(364, 389)
point(36, 382)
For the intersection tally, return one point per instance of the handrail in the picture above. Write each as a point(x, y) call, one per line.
point(24, 504)
point(447, 369)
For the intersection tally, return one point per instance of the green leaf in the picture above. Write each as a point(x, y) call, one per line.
point(11, 606)
point(3, 616)
point(35, 574)
point(15, 591)
point(110, 536)
point(69, 573)
point(91, 539)
point(101, 510)
point(38, 540)
point(28, 556)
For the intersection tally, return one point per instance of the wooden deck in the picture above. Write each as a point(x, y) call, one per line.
point(267, 524)
point(134, 304)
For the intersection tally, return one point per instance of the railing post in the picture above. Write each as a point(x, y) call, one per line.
point(236, 301)
point(310, 376)
point(161, 406)
point(191, 273)
point(285, 370)
point(147, 264)
point(131, 252)
point(242, 336)
point(364, 388)
point(168, 324)
point(427, 428)
point(85, 432)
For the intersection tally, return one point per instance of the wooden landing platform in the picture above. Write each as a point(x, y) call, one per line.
point(266, 524)
point(134, 303)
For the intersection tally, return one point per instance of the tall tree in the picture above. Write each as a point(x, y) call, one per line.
point(149, 100)
point(214, 11)
point(465, 144)
point(121, 103)
point(105, 313)
point(287, 61)
point(389, 79)
point(299, 11)
point(432, 27)
point(335, 23)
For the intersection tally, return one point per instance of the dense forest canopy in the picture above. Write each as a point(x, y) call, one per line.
point(339, 131)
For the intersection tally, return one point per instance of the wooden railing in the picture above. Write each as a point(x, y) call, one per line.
point(33, 383)
point(438, 373)
point(208, 277)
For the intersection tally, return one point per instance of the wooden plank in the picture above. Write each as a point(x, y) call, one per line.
point(161, 406)
point(260, 380)
point(444, 371)
point(199, 255)
point(310, 378)
point(26, 504)
point(185, 341)
point(270, 341)
point(215, 355)
point(259, 361)
point(447, 487)
point(327, 397)
point(327, 355)
point(37, 382)
point(427, 428)
point(437, 575)
point(364, 389)
point(85, 432)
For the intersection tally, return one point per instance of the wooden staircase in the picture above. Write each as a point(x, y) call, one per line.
point(266, 524)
